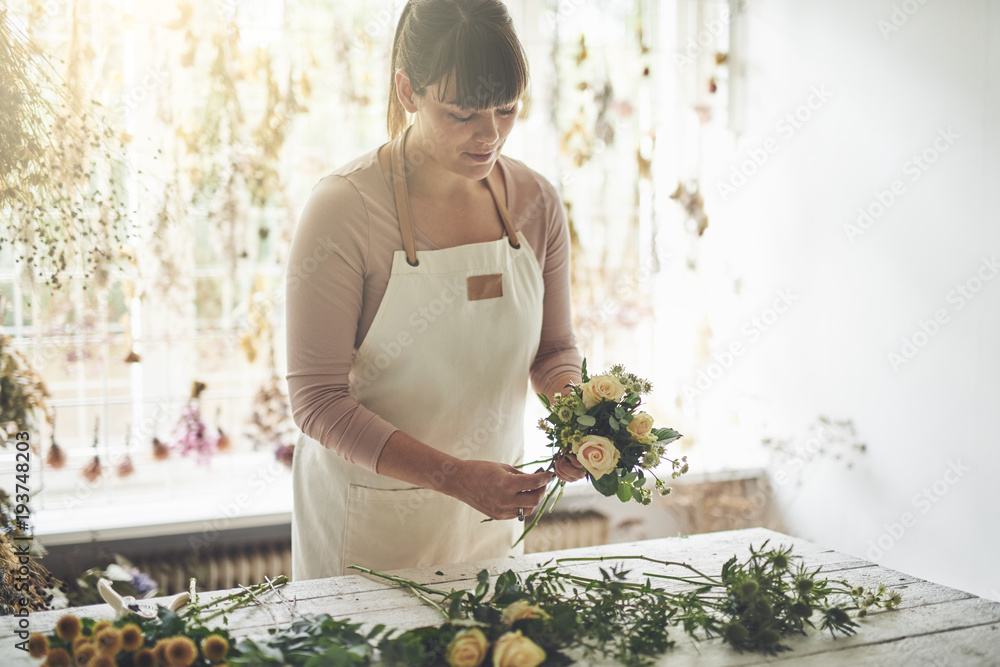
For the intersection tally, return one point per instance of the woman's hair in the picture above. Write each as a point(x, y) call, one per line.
point(472, 40)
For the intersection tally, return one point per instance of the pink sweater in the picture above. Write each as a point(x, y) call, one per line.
point(338, 269)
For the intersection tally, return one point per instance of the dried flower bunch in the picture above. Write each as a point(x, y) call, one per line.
point(60, 164)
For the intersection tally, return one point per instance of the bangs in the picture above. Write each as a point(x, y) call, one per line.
point(488, 66)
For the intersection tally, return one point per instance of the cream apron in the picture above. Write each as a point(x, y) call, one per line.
point(447, 361)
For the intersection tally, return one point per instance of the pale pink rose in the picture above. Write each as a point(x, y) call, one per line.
point(640, 427)
point(516, 650)
point(521, 609)
point(467, 649)
point(601, 388)
point(597, 455)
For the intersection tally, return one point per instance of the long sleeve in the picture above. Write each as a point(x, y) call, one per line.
point(557, 355)
point(325, 294)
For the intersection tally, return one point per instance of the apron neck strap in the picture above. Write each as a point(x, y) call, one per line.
point(393, 162)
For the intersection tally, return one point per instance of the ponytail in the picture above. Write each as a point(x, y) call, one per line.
point(472, 40)
point(396, 114)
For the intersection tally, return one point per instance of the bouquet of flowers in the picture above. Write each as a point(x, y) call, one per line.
point(599, 423)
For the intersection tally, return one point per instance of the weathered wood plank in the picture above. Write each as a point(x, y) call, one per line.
point(930, 617)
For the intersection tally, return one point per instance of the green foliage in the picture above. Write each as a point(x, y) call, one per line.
point(310, 641)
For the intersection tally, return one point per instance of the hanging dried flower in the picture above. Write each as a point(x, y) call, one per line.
point(56, 457)
point(132, 358)
point(190, 434)
point(285, 454)
point(271, 424)
point(125, 466)
point(93, 471)
point(161, 452)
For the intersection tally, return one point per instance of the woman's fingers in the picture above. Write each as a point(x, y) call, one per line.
point(498, 490)
point(569, 469)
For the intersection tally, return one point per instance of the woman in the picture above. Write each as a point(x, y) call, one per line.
point(428, 283)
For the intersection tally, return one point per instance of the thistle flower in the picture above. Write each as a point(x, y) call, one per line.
point(215, 648)
point(68, 627)
point(38, 645)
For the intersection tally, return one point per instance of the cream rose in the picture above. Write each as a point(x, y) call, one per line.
point(516, 650)
point(601, 388)
point(467, 649)
point(640, 427)
point(596, 454)
point(515, 611)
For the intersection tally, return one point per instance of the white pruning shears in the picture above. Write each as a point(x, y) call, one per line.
point(126, 605)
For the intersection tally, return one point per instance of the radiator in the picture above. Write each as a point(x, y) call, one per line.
point(232, 566)
point(249, 563)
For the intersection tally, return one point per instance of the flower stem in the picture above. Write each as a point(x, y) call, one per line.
point(541, 510)
point(399, 580)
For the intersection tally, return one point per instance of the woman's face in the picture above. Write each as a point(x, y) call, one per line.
point(461, 141)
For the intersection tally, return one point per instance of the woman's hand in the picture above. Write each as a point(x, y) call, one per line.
point(568, 468)
point(496, 489)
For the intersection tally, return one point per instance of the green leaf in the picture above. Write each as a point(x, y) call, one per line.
point(613, 422)
point(586, 421)
point(624, 493)
point(545, 401)
point(608, 484)
point(583, 371)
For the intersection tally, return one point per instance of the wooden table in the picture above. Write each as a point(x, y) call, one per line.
point(935, 625)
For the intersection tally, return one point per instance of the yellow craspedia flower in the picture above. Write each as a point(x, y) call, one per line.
point(131, 637)
point(160, 651)
point(79, 642)
point(84, 655)
point(100, 625)
point(38, 645)
point(58, 657)
point(102, 661)
point(108, 641)
point(68, 627)
point(215, 648)
point(181, 651)
point(144, 658)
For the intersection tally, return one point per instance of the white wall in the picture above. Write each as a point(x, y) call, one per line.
point(890, 96)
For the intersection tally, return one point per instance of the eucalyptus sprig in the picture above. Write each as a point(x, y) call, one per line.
point(752, 605)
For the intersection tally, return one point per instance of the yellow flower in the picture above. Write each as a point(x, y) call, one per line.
point(144, 658)
point(160, 651)
point(84, 655)
point(102, 661)
point(58, 657)
point(131, 637)
point(467, 649)
point(38, 645)
point(597, 455)
point(108, 641)
point(68, 627)
point(515, 611)
point(100, 625)
point(602, 388)
point(181, 651)
point(215, 648)
point(515, 650)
